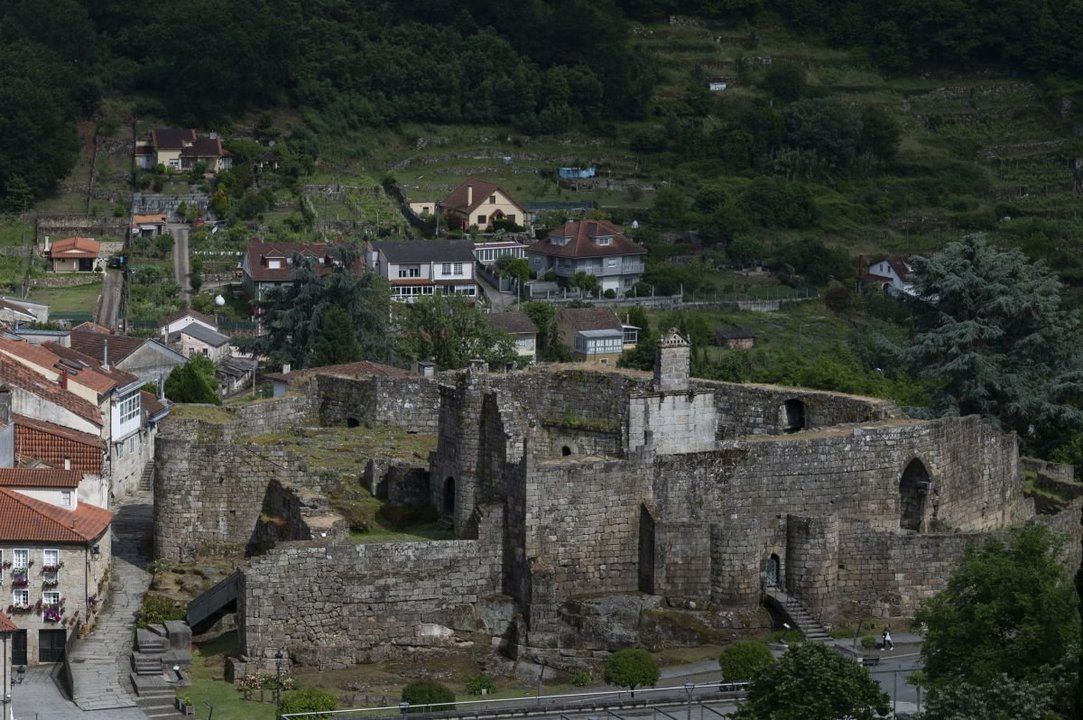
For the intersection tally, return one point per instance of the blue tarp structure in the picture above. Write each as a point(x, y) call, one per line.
point(576, 173)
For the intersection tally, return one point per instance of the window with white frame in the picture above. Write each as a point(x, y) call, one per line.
point(129, 407)
point(20, 559)
point(457, 269)
point(65, 498)
point(445, 268)
point(20, 597)
point(50, 559)
point(50, 597)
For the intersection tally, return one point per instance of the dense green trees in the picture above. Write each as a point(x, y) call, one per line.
point(292, 316)
point(193, 382)
point(813, 681)
point(450, 330)
point(1009, 610)
point(995, 332)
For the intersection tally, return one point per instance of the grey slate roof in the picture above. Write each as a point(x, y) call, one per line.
point(422, 251)
point(204, 334)
point(513, 322)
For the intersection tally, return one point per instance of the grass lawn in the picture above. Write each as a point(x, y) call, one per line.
point(210, 690)
point(74, 299)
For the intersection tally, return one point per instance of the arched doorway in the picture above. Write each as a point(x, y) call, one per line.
point(774, 567)
point(793, 415)
point(449, 496)
point(913, 489)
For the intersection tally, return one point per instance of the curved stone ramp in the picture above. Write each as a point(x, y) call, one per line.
point(101, 663)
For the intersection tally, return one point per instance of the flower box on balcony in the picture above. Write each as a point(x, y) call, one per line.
point(50, 580)
point(51, 614)
point(19, 581)
point(51, 568)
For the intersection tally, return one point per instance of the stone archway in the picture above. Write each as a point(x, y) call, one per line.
point(914, 487)
point(793, 416)
point(449, 496)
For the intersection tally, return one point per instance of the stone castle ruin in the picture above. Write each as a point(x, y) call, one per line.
point(586, 504)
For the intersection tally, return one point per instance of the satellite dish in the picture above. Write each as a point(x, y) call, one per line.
point(219, 300)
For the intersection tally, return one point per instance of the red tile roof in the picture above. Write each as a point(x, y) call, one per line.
point(112, 375)
point(75, 247)
point(24, 519)
point(18, 375)
point(481, 191)
point(40, 477)
point(153, 219)
point(6, 626)
point(255, 261)
point(581, 241)
point(204, 147)
point(593, 318)
point(51, 444)
point(150, 403)
point(363, 368)
point(171, 138)
point(93, 342)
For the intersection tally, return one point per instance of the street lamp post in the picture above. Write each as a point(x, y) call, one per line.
point(688, 688)
point(278, 683)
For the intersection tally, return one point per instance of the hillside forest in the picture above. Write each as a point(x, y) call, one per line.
point(764, 147)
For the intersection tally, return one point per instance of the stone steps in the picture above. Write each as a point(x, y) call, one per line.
point(146, 480)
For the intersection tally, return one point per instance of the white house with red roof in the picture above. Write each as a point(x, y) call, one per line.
point(476, 203)
point(55, 552)
point(594, 247)
point(74, 254)
point(892, 273)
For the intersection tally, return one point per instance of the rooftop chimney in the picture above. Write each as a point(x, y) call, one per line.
point(105, 354)
point(469, 195)
point(64, 379)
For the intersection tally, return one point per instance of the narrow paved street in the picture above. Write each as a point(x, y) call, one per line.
point(101, 662)
point(112, 284)
point(179, 231)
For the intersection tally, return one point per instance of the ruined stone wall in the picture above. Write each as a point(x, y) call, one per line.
point(583, 520)
point(812, 560)
point(273, 415)
point(208, 496)
point(331, 606)
point(412, 404)
point(757, 409)
point(682, 562)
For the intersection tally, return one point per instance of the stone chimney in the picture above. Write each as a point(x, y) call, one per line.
point(672, 357)
point(469, 195)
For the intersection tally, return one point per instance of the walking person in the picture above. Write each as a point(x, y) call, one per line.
point(887, 643)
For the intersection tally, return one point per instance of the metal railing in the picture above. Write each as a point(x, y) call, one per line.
point(597, 703)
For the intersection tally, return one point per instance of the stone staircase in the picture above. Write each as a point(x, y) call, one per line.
point(146, 481)
point(158, 661)
point(798, 615)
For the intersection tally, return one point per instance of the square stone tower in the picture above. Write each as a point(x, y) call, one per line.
point(672, 358)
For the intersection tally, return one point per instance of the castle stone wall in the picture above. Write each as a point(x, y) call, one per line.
point(331, 606)
point(672, 423)
point(812, 562)
point(410, 403)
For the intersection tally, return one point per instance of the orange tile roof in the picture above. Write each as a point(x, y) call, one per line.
point(18, 375)
point(39, 478)
point(24, 519)
point(48, 355)
point(148, 219)
point(94, 342)
point(478, 192)
point(51, 444)
point(76, 247)
point(581, 242)
point(151, 404)
point(106, 378)
point(6, 625)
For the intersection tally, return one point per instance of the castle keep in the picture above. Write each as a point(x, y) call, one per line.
point(565, 486)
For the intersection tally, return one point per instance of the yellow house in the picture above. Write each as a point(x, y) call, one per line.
point(74, 254)
point(478, 203)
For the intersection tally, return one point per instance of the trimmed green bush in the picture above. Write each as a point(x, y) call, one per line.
point(632, 668)
point(427, 696)
point(308, 700)
point(741, 660)
point(481, 684)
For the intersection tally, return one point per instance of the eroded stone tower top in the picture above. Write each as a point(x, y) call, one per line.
point(672, 357)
